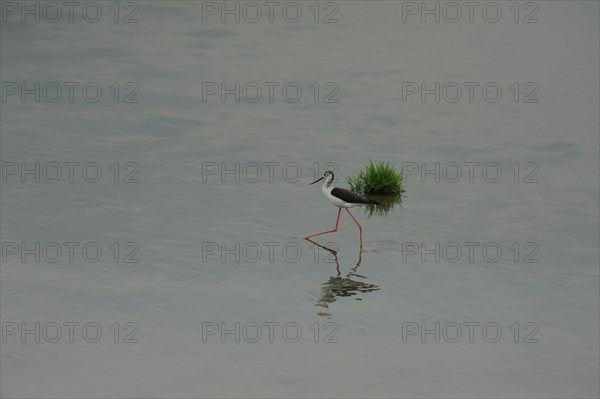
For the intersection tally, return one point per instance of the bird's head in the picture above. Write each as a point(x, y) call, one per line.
point(328, 176)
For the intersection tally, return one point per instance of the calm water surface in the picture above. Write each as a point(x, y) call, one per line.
point(184, 226)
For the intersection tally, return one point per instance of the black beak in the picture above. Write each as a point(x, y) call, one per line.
point(316, 181)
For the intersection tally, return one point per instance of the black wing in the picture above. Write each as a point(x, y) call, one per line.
point(350, 197)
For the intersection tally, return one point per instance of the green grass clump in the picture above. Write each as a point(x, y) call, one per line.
point(379, 179)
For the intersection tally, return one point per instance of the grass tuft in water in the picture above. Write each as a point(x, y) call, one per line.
point(378, 179)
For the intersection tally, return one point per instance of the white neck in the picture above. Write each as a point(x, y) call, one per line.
point(326, 187)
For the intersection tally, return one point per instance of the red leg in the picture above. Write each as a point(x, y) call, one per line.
point(329, 231)
point(358, 224)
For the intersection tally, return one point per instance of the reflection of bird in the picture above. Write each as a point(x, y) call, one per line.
point(342, 198)
point(338, 286)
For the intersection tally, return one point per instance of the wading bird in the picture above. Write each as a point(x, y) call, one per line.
point(342, 198)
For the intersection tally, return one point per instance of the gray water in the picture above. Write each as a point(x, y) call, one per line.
point(182, 224)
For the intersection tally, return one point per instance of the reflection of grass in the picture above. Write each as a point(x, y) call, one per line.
point(342, 287)
point(385, 204)
point(381, 183)
point(378, 179)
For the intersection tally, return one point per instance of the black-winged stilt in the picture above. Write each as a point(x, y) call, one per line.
point(342, 198)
